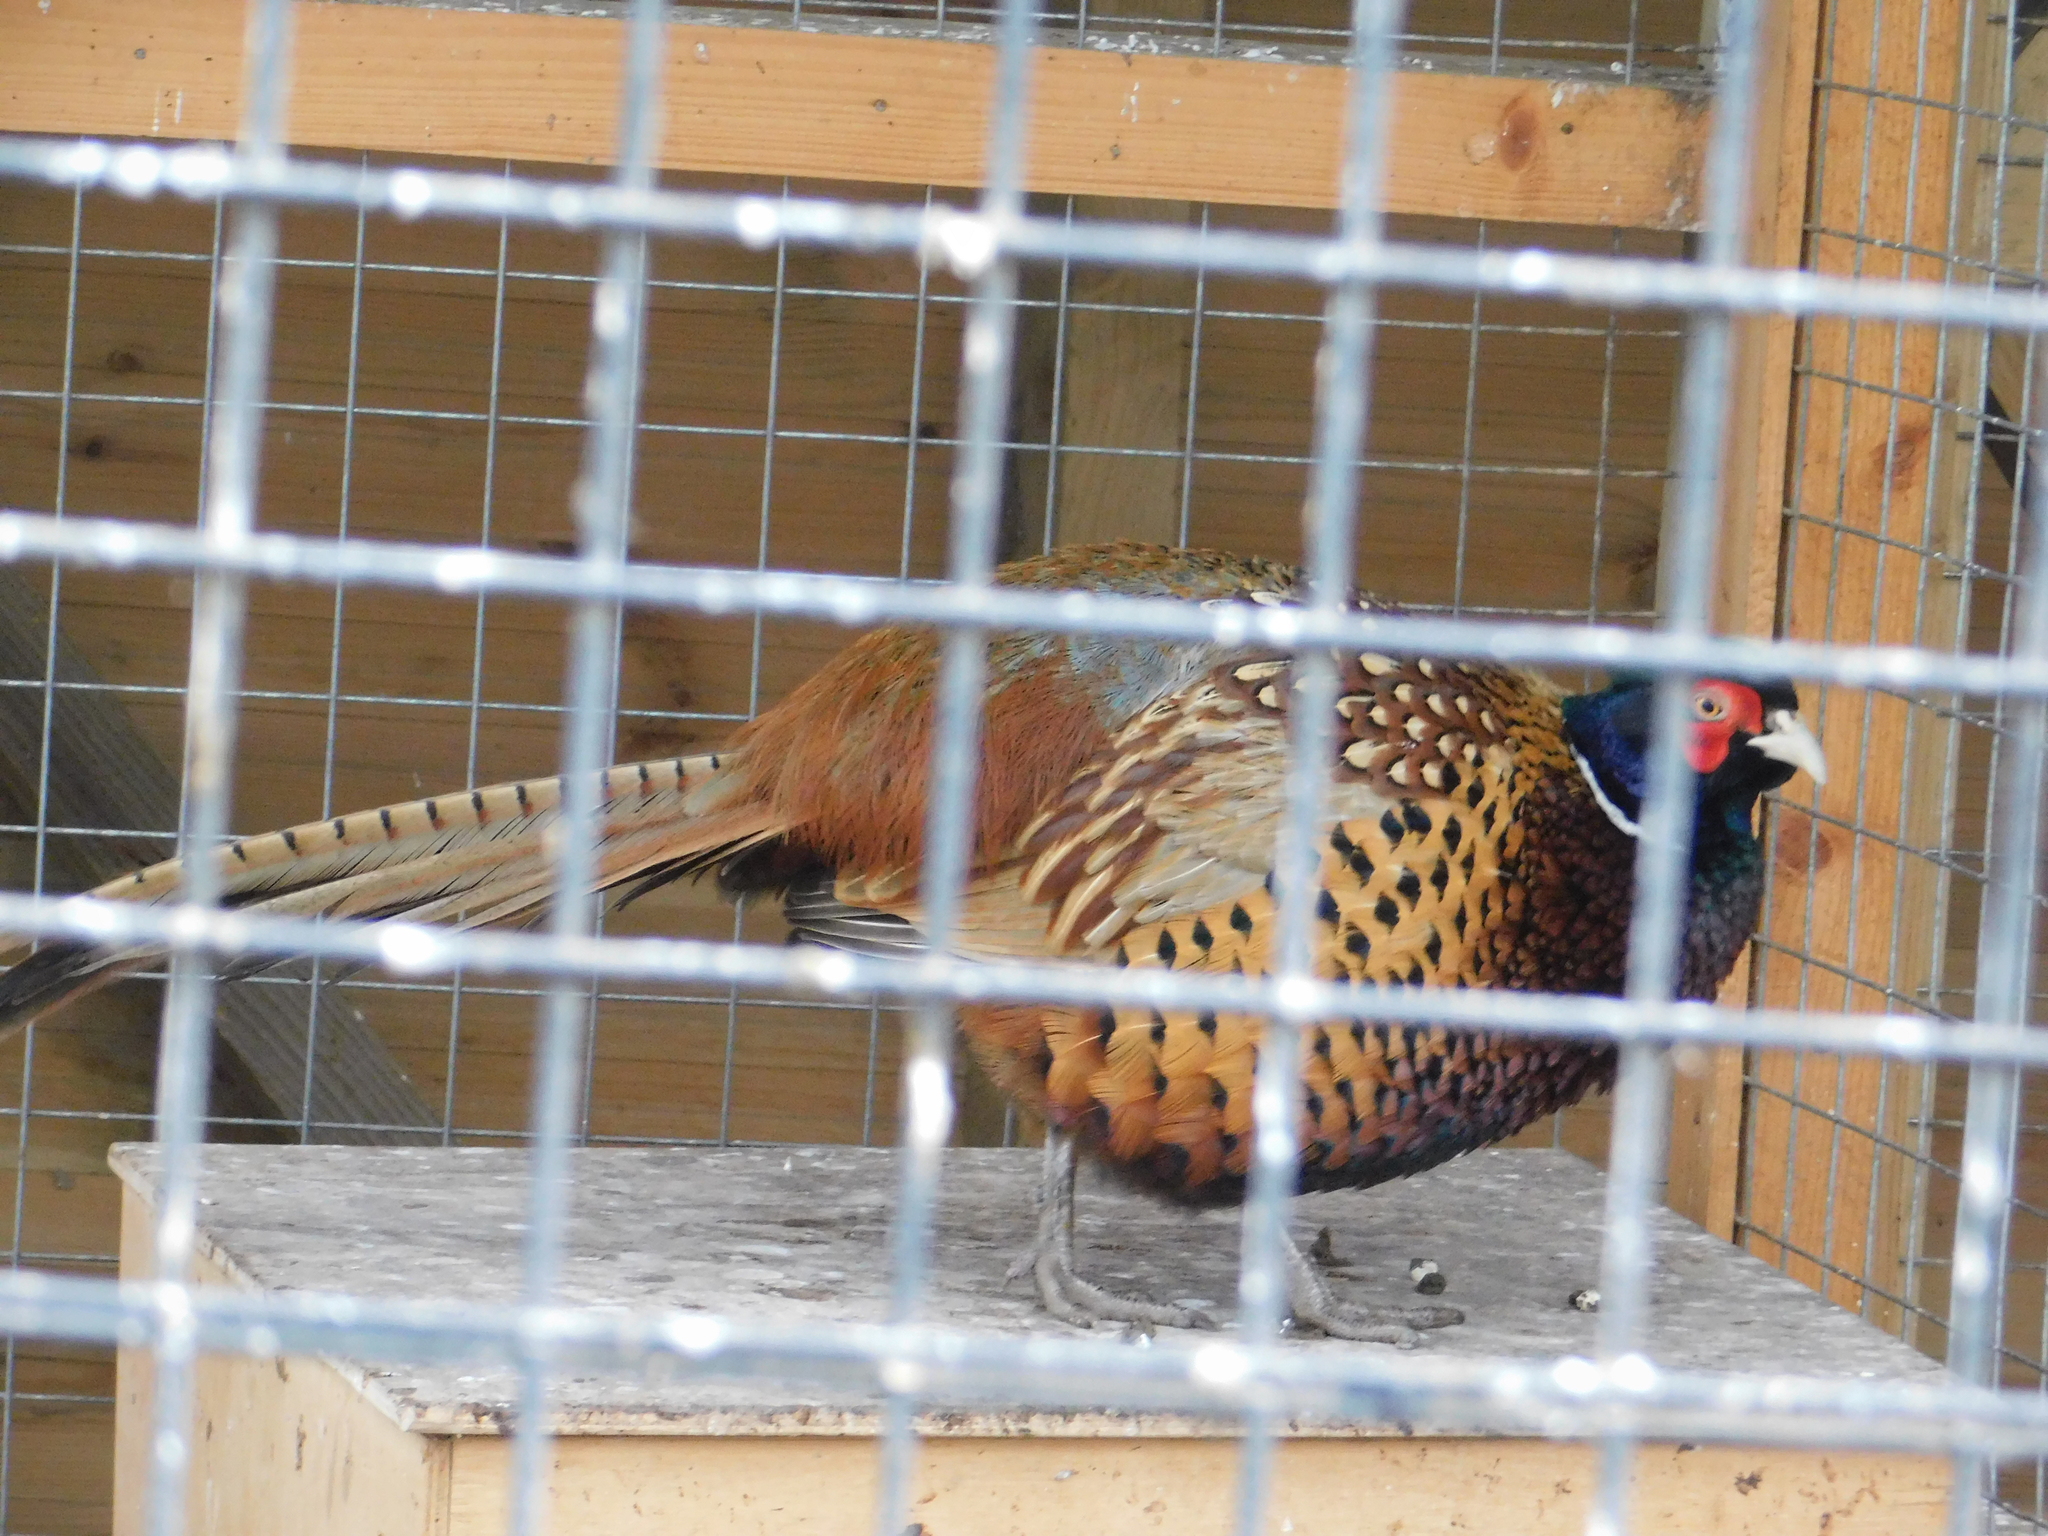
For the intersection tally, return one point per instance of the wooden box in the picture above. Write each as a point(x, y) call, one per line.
point(325, 1447)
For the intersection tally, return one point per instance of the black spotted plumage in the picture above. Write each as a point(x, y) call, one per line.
point(1509, 875)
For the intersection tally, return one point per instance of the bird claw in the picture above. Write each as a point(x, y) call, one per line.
point(1050, 1261)
point(1397, 1326)
point(1084, 1304)
point(1316, 1306)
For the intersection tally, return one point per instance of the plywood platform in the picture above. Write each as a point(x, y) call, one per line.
point(799, 1233)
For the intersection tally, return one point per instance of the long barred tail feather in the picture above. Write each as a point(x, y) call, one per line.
point(484, 856)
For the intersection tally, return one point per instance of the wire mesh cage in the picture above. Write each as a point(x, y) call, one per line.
point(457, 462)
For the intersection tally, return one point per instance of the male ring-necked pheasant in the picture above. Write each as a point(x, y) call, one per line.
point(1480, 835)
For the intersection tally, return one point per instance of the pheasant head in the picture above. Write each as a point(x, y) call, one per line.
point(1742, 739)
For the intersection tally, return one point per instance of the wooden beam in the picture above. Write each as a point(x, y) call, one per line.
point(103, 774)
point(844, 105)
point(1706, 1099)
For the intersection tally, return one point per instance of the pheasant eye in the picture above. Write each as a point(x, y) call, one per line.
point(1708, 706)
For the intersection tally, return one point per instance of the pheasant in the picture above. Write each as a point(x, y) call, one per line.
point(1480, 834)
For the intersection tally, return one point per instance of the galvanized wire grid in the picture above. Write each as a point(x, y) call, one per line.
point(1908, 1213)
point(1617, 1399)
point(96, 407)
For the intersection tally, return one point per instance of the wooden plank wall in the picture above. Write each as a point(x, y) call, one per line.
point(1936, 1117)
point(659, 1068)
point(1530, 534)
point(1876, 529)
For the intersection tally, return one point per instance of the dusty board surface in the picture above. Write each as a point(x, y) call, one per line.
point(785, 1234)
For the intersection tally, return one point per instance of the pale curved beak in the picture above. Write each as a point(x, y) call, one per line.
point(1790, 742)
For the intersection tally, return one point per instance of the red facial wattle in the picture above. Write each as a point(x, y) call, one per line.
point(1719, 711)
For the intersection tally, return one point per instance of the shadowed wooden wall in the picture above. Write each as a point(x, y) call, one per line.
point(1544, 520)
point(1537, 525)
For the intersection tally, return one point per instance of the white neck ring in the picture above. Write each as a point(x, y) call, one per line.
point(1608, 808)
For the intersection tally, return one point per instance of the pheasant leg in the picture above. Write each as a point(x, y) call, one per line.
point(1051, 1260)
point(1315, 1304)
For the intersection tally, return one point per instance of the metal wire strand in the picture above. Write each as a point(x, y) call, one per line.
point(1602, 282)
point(2005, 968)
point(955, 750)
point(1343, 372)
point(1664, 846)
point(227, 516)
point(602, 504)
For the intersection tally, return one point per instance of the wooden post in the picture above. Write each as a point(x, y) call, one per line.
point(1115, 378)
point(1878, 512)
point(1706, 1096)
point(1124, 385)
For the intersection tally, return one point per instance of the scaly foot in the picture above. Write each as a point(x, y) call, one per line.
point(1317, 1306)
point(1050, 1261)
